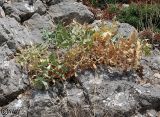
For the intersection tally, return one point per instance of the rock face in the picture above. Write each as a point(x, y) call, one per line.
point(2, 14)
point(64, 11)
point(21, 11)
point(12, 81)
point(37, 23)
point(53, 2)
point(101, 93)
point(1, 2)
point(40, 7)
point(123, 29)
point(14, 34)
point(151, 68)
point(67, 11)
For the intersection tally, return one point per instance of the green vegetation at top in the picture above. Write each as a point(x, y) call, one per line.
point(141, 16)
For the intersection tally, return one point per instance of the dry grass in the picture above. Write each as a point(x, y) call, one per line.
point(94, 47)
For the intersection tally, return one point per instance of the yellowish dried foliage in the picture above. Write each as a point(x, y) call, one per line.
point(125, 53)
point(87, 47)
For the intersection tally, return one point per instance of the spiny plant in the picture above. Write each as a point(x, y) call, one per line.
point(84, 47)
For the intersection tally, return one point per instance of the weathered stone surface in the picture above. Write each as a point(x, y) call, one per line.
point(5, 52)
point(20, 107)
point(151, 68)
point(12, 11)
point(12, 81)
point(67, 11)
point(21, 11)
point(94, 94)
point(51, 103)
point(25, 11)
point(14, 34)
point(40, 7)
point(2, 14)
point(53, 2)
point(1, 2)
point(39, 23)
point(123, 29)
point(112, 96)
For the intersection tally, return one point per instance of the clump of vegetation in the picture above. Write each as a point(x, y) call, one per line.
point(118, 1)
point(141, 16)
point(95, 3)
point(100, 3)
point(138, 13)
point(30, 57)
point(79, 47)
point(151, 37)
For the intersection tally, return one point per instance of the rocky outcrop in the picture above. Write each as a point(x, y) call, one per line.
point(2, 14)
point(60, 10)
point(151, 68)
point(37, 24)
point(12, 81)
point(41, 17)
point(14, 34)
point(53, 2)
point(104, 92)
point(123, 29)
point(101, 93)
point(22, 25)
point(1, 2)
point(21, 11)
point(67, 11)
point(40, 7)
